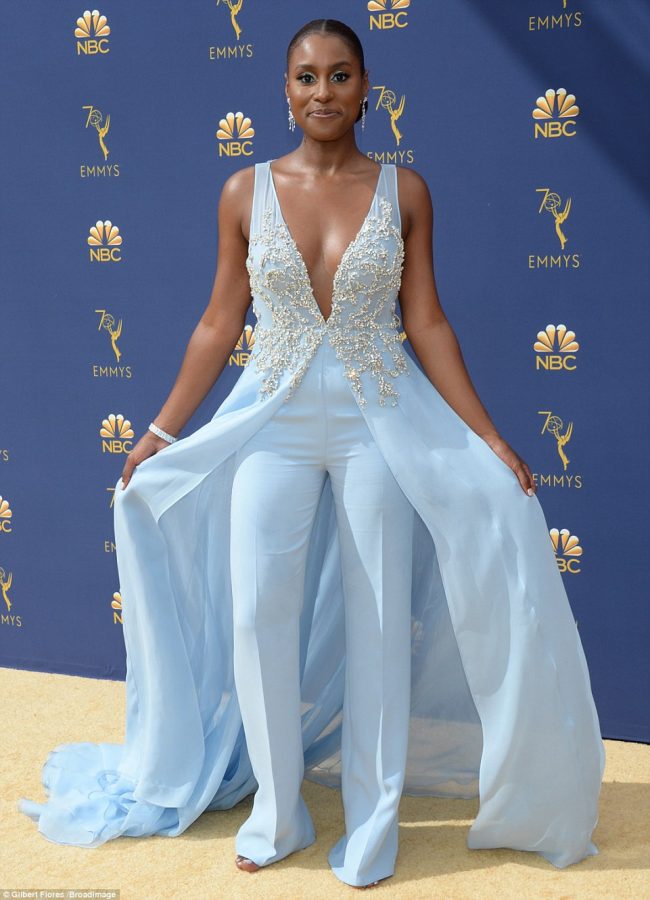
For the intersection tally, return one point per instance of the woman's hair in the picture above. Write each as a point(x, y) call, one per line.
point(337, 28)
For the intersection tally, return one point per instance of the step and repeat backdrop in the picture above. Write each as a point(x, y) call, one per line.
point(120, 125)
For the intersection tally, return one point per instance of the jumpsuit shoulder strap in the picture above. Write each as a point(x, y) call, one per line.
point(390, 170)
point(260, 195)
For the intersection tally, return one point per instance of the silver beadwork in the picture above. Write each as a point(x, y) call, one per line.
point(363, 327)
point(292, 121)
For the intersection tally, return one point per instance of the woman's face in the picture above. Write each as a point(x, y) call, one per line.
point(324, 75)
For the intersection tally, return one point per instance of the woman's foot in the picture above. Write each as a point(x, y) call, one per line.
point(246, 864)
point(372, 883)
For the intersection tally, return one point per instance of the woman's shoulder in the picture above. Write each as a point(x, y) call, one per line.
point(414, 197)
point(410, 179)
point(412, 187)
point(237, 189)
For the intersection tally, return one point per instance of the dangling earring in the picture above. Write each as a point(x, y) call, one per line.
point(364, 104)
point(292, 121)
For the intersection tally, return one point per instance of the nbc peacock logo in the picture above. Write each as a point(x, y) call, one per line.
point(556, 349)
point(387, 14)
point(241, 353)
point(116, 434)
point(104, 242)
point(116, 607)
point(567, 550)
point(6, 516)
point(235, 135)
point(555, 114)
point(92, 31)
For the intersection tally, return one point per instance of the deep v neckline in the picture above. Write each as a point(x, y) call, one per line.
point(347, 250)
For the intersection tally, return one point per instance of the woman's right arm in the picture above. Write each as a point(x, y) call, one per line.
point(218, 329)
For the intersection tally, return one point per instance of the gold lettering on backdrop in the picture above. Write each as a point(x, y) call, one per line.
point(105, 241)
point(116, 434)
point(235, 8)
point(92, 31)
point(550, 109)
point(387, 100)
point(94, 119)
point(553, 425)
point(5, 584)
point(387, 14)
point(238, 51)
point(556, 20)
point(8, 618)
point(551, 202)
point(236, 132)
point(240, 355)
point(116, 606)
point(6, 516)
point(101, 371)
point(556, 347)
point(567, 550)
point(549, 261)
point(107, 323)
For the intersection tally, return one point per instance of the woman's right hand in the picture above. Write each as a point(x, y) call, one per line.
point(148, 445)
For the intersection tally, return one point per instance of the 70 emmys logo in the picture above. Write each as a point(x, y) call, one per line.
point(388, 14)
point(92, 33)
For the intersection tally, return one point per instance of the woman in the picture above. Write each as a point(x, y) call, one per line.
point(347, 571)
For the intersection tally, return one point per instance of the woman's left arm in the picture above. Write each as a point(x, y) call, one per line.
point(430, 333)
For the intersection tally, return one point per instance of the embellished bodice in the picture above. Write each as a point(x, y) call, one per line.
point(362, 327)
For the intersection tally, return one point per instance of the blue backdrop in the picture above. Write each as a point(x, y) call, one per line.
point(528, 121)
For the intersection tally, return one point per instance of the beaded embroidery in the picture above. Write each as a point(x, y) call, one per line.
point(364, 290)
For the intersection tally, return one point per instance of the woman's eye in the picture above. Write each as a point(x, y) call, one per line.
point(309, 75)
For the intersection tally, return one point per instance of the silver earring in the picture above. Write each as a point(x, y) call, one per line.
point(292, 121)
point(364, 103)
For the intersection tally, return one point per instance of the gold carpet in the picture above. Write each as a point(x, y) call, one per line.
point(42, 710)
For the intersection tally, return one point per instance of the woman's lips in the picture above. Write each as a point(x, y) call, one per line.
point(323, 115)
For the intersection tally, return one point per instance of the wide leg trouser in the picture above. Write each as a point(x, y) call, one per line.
point(279, 475)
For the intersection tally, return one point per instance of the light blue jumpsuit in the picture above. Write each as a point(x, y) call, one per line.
point(279, 476)
point(433, 617)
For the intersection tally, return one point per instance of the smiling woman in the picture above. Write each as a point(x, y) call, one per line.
point(346, 574)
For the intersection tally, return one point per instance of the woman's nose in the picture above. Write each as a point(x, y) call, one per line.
point(323, 90)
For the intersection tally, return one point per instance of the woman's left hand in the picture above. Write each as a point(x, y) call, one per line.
point(505, 452)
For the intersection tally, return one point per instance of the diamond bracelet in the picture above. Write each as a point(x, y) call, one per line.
point(163, 434)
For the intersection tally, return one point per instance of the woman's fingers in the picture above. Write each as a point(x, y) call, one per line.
point(525, 477)
point(531, 481)
point(512, 459)
point(129, 466)
point(147, 446)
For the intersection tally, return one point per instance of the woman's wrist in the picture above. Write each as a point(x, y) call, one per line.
point(165, 435)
